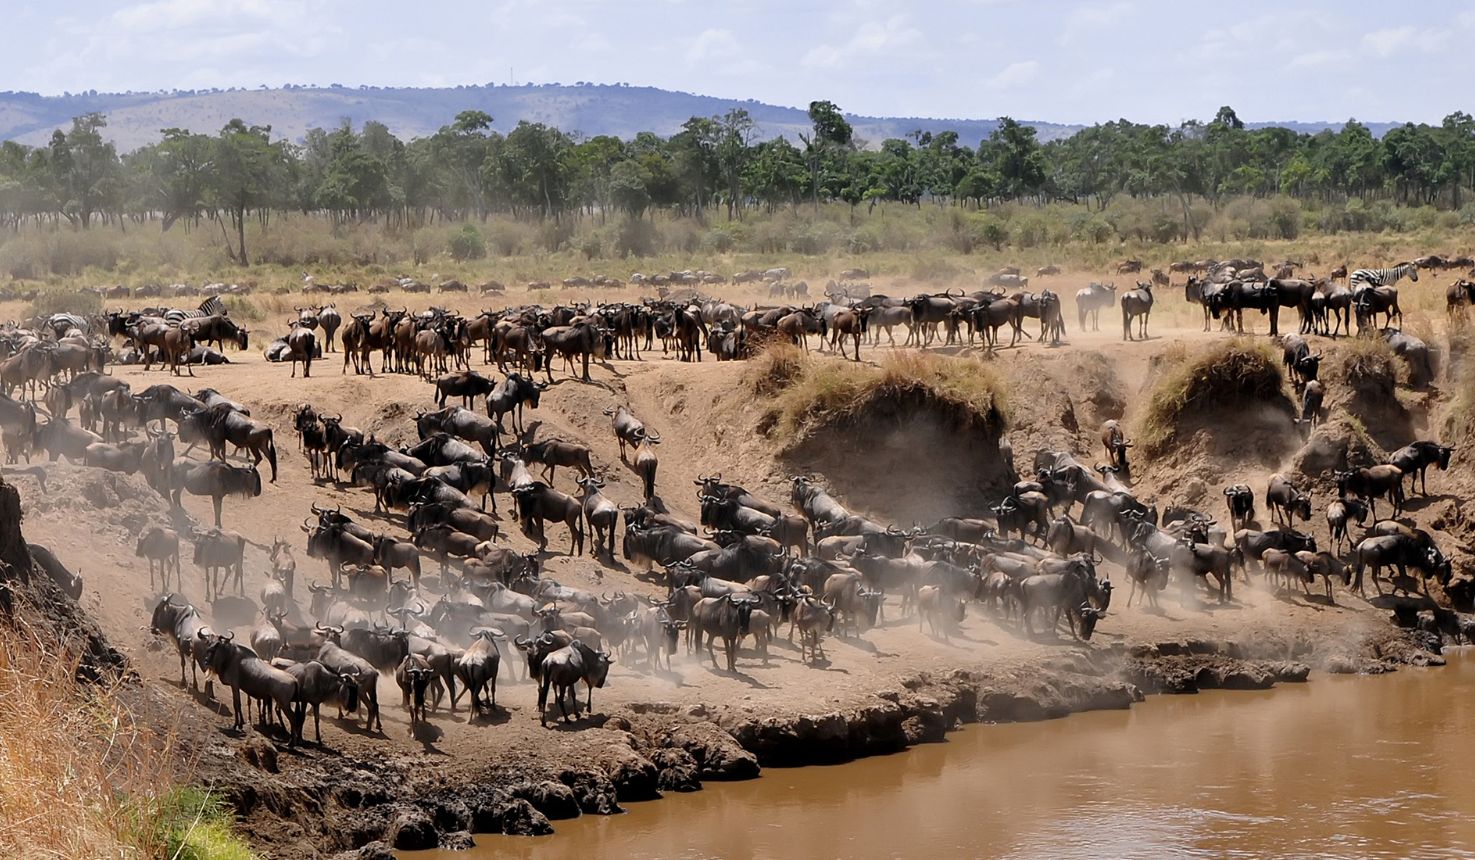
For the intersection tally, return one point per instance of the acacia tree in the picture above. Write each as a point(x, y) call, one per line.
point(247, 166)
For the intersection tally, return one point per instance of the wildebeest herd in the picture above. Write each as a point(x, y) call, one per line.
point(743, 570)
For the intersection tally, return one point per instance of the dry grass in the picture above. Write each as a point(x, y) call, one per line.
point(812, 395)
point(79, 778)
point(1233, 373)
point(1365, 364)
point(1459, 423)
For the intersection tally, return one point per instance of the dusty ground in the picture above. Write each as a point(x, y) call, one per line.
point(707, 418)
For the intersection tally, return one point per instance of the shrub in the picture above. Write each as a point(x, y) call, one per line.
point(468, 244)
point(636, 237)
point(62, 301)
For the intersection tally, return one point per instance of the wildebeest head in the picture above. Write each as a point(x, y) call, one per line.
point(1089, 616)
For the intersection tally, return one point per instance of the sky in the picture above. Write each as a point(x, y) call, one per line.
point(1058, 60)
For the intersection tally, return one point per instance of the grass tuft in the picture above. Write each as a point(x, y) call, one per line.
point(79, 778)
point(1227, 375)
point(814, 395)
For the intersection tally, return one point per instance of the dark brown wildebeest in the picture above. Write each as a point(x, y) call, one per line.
point(220, 424)
point(1136, 304)
point(1285, 501)
point(552, 453)
point(216, 480)
point(1416, 458)
point(851, 323)
point(302, 345)
point(578, 341)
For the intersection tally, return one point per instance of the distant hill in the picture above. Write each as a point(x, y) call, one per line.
point(135, 119)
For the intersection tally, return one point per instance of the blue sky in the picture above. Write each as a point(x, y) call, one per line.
point(1066, 61)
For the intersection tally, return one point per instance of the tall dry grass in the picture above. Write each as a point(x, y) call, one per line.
point(1224, 376)
point(80, 778)
point(813, 394)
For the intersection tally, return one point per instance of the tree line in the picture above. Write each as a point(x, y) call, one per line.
point(713, 164)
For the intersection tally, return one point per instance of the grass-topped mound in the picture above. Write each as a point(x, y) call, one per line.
point(914, 439)
point(813, 395)
point(1361, 376)
point(1219, 382)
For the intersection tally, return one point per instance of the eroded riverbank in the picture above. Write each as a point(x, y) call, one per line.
point(643, 750)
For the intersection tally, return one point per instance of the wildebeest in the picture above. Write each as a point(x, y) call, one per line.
point(727, 616)
point(1136, 304)
point(1285, 501)
point(302, 346)
point(239, 668)
point(176, 619)
point(563, 669)
point(161, 547)
point(216, 480)
point(1415, 459)
point(477, 668)
point(540, 503)
point(1241, 501)
point(1372, 483)
point(220, 551)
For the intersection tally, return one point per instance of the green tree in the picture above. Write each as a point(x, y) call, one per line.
point(246, 168)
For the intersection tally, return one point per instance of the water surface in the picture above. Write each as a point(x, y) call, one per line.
point(1339, 767)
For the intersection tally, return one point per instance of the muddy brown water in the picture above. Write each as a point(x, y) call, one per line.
point(1338, 767)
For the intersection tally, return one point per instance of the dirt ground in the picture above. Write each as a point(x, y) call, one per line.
point(707, 418)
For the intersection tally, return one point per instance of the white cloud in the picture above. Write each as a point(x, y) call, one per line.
point(1312, 59)
point(711, 45)
point(873, 39)
point(1015, 75)
point(1087, 18)
point(1393, 41)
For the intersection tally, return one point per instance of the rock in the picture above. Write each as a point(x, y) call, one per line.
point(412, 830)
point(676, 770)
point(633, 775)
point(517, 817)
point(594, 792)
point(373, 851)
point(553, 799)
point(258, 752)
point(925, 727)
point(717, 753)
point(460, 840)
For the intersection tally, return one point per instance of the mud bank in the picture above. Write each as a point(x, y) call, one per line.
point(316, 803)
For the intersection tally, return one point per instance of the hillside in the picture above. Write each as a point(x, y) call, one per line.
point(135, 119)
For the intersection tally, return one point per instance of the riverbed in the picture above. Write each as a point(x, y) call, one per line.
point(1343, 766)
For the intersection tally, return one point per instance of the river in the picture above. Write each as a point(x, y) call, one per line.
point(1338, 767)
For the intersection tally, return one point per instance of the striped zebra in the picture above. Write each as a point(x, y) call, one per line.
point(1383, 277)
point(210, 307)
point(63, 323)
